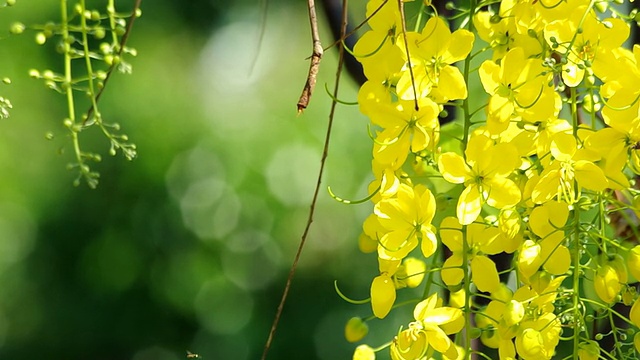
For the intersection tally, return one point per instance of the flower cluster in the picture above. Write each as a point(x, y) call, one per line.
point(544, 171)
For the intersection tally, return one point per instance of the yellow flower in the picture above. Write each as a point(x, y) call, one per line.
point(432, 53)
point(405, 130)
point(518, 87)
point(538, 337)
point(607, 283)
point(634, 314)
point(589, 350)
point(633, 262)
point(410, 344)
point(410, 273)
point(485, 175)
point(434, 320)
point(589, 48)
point(503, 35)
point(571, 165)
point(407, 220)
point(482, 240)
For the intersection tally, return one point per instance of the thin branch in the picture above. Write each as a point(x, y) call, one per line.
point(406, 47)
point(123, 42)
point(325, 153)
point(307, 91)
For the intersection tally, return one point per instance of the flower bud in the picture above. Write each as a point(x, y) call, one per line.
point(355, 330)
point(383, 295)
point(634, 314)
point(514, 313)
point(607, 283)
point(633, 261)
point(17, 28)
point(364, 352)
point(589, 350)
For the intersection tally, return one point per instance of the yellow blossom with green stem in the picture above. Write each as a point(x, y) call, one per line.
point(586, 42)
point(407, 220)
point(619, 143)
point(405, 129)
point(533, 15)
point(533, 184)
point(429, 331)
point(570, 170)
point(382, 75)
point(510, 318)
point(502, 35)
point(383, 288)
point(482, 240)
point(432, 52)
point(485, 175)
point(519, 87)
point(386, 25)
point(548, 250)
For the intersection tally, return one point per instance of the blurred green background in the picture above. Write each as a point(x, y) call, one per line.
point(188, 246)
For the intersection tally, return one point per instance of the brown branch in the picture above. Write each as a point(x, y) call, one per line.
point(325, 153)
point(307, 91)
point(123, 42)
point(406, 47)
point(355, 29)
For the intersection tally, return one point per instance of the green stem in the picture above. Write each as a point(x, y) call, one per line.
point(67, 62)
point(466, 71)
point(577, 317)
point(574, 112)
point(68, 89)
point(427, 286)
point(87, 58)
point(467, 296)
point(465, 245)
point(615, 336)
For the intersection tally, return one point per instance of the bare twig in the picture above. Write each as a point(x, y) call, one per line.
point(325, 153)
point(303, 102)
point(123, 42)
point(406, 47)
point(333, 12)
point(355, 29)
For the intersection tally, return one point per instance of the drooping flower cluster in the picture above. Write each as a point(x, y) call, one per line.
point(540, 170)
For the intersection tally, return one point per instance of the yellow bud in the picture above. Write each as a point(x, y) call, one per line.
point(619, 266)
point(540, 281)
point(415, 269)
point(509, 223)
point(40, 38)
point(628, 294)
point(634, 314)
point(633, 261)
point(364, 352)
point(355, 330)
point(503, 293)
point(457, 299)
point(383, 295)
point(513, 313)
point(529, 260)
point(636, 341)
point(607, 284)
point(366, 244)
point(530, 344)
point(589, 350)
